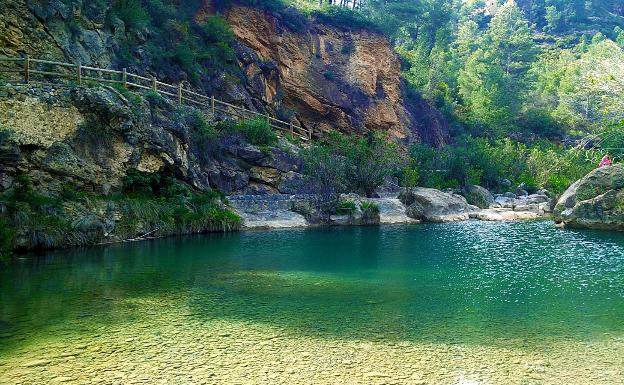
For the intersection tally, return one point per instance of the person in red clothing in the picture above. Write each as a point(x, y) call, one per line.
point(606, 161)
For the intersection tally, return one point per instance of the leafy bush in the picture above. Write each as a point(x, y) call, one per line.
point(132, 97)
point(201, 127)
point(325, 178)
point(132, 13)
point(484, 162)
point(346, 207)
point(368, 160)
point(409, 176)
point(343, 18)
point(370, 210)
point(140, 182)
point(258, 131)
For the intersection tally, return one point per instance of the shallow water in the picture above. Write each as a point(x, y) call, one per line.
point(462, 303)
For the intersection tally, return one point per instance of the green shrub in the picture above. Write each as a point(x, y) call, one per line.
point(359, 164)
point(258, 131)
point(557, 183)
point(140, 182)
point(370, 210)
point(474, 176)
point(325, 178)
point(153, 97)
point(329, 74)
point(410, 177)
point(132, 97)
point(132, 13)
point(343, 18)
point(217, 34)
point(346, 207)
point(538, 165)
point(201, 128)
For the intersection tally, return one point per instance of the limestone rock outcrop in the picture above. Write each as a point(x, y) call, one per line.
point(596, 201)
point(433, 205)
point(347, 80)
point(88, 138)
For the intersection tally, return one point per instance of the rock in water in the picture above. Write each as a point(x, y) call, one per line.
point(596, 201)
point(433, 205)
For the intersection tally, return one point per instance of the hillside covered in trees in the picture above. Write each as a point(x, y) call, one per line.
point(533, 87)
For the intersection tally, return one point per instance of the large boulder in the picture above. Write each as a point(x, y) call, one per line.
point(478, 196)
point(596, 201)
point(433, 205)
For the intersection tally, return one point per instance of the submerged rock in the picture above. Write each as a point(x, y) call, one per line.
point(596, 201)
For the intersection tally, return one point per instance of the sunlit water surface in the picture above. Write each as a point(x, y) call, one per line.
point(460, 303)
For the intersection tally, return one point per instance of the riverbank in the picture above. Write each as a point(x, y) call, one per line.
point(284, 211)
point(80, 219)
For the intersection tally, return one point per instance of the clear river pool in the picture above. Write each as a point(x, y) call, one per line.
point(460, 303)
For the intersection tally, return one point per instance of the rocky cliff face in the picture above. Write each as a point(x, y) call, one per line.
point(88, 138)
point(334, 79)
point(323, 77)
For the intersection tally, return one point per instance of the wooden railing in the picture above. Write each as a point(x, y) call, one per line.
point(44, 70)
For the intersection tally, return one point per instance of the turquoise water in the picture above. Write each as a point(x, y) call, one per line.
point(514, 285)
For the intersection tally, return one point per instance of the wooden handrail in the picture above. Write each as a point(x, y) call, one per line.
point(154, 85)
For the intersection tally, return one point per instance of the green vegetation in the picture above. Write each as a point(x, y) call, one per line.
point(484, 162)
point(367, 160)
point(148, 204)
point(346, 207)
point(179, 46)
point(134, 98)
point(32, 220)
point(515, 78)
point(370, 210)
point(342, 17)
point(132, 13)
point(257, 131)
point(348, 163)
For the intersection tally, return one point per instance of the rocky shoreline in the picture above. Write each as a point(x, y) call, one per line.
point(416, 205)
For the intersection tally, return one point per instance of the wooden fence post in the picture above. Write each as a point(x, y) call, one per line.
point(310, 134)
point(212, 104)
point(79, 73)
point(27, 68)
point(180, 93)
point(154, 85)
point(292, 133)
point(124, 77)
